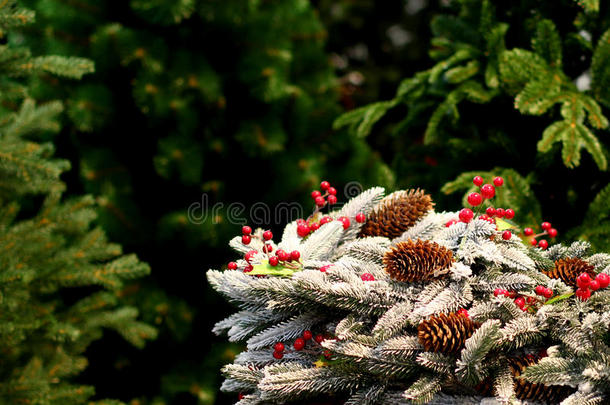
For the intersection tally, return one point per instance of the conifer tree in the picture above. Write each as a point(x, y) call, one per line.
point(60, 278)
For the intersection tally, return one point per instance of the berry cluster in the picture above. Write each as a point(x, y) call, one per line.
point(586, 285)
point(288, 260)
point(300, 343)
point(329, 197)
point(524, 301)
point(547, 229)
point(463, 312)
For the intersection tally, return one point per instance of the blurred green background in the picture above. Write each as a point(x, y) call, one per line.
point(234, 101)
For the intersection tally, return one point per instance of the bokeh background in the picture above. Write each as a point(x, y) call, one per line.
point(235, 100)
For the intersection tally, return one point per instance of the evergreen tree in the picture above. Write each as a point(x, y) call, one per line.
point(61, 279)
point(517, 85)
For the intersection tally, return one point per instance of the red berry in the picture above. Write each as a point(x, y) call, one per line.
point(248, 268)
point(528, 231)
point(303, 230)
point(533, 242)
point(232, 266)
point(274, 261)
point(282, 255)
point(478, 180)
point(583, 280)
point(307, 335)
point(583, 294)
point(546, 226)
point(506, 235)
point(475, 199)
point(466, 215)
point(345, 221)
point(324, 268)
point(295, 255)
point(278, 355)
point(267, 249)
point(314, 227)
point(603, 279)
point(594, 285)
point(249, 255)
point(543, 244)
point(360, 217)
point(540, 290)
point(488, 191)
point(491, 211)
point(279, 347)
point(520, 302)
point(240, 396)
point(500, 291)
point(463, 312)
point(246, 230)
point(332, 200)
point(319, 338)
point(325, 220)
point(332, 191)
point(552, 232)
point(484, 217)
point(327, 354)
point(500, 212)
point(299, 344)
point(509, 213)
point(267, 235)
point(451, 222)
point(324, 185)
point(547, 293)
point(498, 181)
point(315, 194)
point(320, 201)
point(246, 239)
point(531, 300)
point(367, 277)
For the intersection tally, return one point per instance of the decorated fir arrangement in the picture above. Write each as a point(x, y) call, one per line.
point(384, 300)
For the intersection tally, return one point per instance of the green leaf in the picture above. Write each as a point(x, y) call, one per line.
point(264, 268)
point(533, 99)
point(547, 43)
point(461, 73)
point(559, 298)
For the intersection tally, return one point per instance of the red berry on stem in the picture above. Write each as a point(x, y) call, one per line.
point(295, 255)
point(319, 338)
point(451, 222)
point(546, 226)
point(248, 268)
point(528, 231)
point(320, 201)
point(498, 291)
point(324, 185)
point(274, 261)
point(279, 347)
point(491, 211)
point(475, 199)
point(282, 255)
point(506, 235)
point(552, 232)
point(299, 344)
point(488, 191)
point(540, 290)
point(232, 266)
point(267, 235)
point(325, 220)
point(332, 200)
point(477, 180)
point(533, 242)
point(303, 230)
point(360, 217)
point(367, 277)
point(583, 294)
point(547, 293)
point(484, 217)
point(498, 181)
point(345, 221)
point(520, 301)
point(245, 239)
point(307, 335)
point(332, 191)
point(466, 215)
point(583, 280)
point(278, 355)
point(463, 312)
point(324, 268)
point(594, 285)
point(315, 194)
point(267, 249)
point(500, 212)
point(246, 230)
point(249, 255)
point(603, 279)
point(509, 213)
point(543, 244)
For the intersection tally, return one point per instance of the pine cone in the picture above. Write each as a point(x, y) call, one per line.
point(551, 394)
point(569, 269)
point(396, 213)
point(417, 261)
point(445, 333)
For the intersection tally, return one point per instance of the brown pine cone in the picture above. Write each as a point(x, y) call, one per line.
point(445, 333)
point(396, 213)
point(550, 394)
point(569, 269)
point(417, 261)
